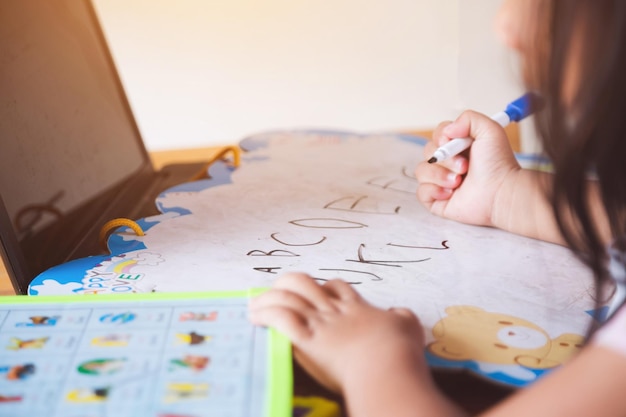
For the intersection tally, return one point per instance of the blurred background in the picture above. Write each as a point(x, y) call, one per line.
point(209, 72)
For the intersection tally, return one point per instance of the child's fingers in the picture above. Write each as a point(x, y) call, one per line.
point(457, 164)
point(471, 124)
point(404, 312)
point(281, 298)
point(307, 288)
point(437, 174)
point(287, 321)
point(341, 290)
point(434, 198)
point(430, 193)
point(409, 319)
point(438, 133)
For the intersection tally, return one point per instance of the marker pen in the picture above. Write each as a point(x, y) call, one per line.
point(514, 112)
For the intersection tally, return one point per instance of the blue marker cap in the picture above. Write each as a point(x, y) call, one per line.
point(522, 107)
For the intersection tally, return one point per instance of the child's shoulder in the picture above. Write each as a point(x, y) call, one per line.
point(617, 259)
point(613, 333)
point(617, 272)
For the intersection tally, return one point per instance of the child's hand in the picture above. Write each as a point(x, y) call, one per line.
point(338, 337)
point(465, 187)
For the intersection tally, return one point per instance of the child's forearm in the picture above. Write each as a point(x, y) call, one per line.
point(522, 207)
point(405, 390)
point(592, 384)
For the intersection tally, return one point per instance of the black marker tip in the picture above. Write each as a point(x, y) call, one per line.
point(432, 160)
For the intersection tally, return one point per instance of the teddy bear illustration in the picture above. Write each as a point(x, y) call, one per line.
point(471, 333)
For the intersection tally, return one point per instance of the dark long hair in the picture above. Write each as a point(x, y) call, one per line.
point(585, 134)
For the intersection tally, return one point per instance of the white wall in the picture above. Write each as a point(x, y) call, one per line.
point(205, 72)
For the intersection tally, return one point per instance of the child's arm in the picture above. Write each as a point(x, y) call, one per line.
point(373, 357)
point(591, 384)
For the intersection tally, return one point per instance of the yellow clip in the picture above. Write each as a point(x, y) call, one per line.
point(114, 224)
point(203, 173)
point(315, 407)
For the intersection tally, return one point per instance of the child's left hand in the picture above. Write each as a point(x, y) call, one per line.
point(338, 337)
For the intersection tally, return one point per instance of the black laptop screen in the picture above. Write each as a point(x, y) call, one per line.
point(67, 134)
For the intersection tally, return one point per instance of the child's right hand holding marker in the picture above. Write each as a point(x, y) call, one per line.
point(467, 187)
point(485, 185)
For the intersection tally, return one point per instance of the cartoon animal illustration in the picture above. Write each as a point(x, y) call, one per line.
point(111, 340)
point(88, 395)
point(39, 321)
point(193, 362)
point(10, 398)
point(192, 338)
point(105, 366)
point(19, 344)
point(18, 372)
point(471, 333)
point(182, 391)
point(192, 316)
point(44, 320)
point(121, 318)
